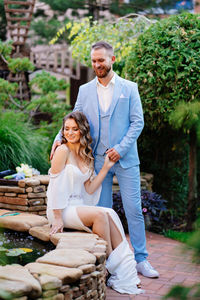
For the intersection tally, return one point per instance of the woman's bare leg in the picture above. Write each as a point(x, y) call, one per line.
point(116, 237)
point(99, 220)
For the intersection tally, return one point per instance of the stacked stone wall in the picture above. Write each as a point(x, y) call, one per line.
point(74, 270)
point(28, 195)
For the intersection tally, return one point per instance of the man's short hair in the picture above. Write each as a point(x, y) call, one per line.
point(103, 44)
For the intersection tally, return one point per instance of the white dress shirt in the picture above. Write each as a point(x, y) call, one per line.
point(105, 93)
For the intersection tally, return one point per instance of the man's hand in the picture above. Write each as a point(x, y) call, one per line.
point(53, 149)
point(113, 154)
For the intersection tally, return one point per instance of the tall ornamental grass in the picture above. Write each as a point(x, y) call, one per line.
point(20, 143)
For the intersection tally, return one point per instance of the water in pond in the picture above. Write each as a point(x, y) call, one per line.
point(10, 239)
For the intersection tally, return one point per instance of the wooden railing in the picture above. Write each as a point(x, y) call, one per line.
point(55, 58)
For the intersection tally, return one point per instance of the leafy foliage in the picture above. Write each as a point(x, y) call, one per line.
point(17, 65)
point(45, 30)
point(165, 64)
point(86, 32)
point(153, 207)
point(179, 292)
point(47, 83)
point(20, 143)
point(186, 116)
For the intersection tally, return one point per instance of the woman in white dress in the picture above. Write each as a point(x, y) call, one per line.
point(74, 191)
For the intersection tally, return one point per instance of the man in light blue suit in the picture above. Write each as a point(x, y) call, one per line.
point(113, 108)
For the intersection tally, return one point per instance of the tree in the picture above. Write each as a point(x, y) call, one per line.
point(187, 117)
point(165, 64)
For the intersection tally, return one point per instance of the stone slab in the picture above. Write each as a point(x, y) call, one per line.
point(89, 268)
point(44, 179)
point(13, 200)
point(39, 189)
point(36, 195)
point(14, 206)
point(21, 274)
point(54, 238)
point(66, 275)
point(22, 222)
point(50, 282)
point(31, 182)
point(41, 232)
point(68, 258)
point(77, 243)
point(14, 288)
point(37, 201)
point(37, 208)
point(12, 189)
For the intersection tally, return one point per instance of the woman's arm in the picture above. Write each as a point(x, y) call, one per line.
point(59, 159)
point(57, 165)
point(92, 186)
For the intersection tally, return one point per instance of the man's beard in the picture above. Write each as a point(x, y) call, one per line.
point(104, 71)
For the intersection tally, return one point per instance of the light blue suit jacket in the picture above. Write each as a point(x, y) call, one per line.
point(126, 118)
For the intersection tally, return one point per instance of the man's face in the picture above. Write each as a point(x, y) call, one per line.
point(102, 62)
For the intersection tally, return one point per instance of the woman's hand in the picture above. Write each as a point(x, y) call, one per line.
point(57, 226)
point(108, 163)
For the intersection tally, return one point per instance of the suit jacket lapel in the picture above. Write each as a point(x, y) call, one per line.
point(94, 97)
point(116, 94)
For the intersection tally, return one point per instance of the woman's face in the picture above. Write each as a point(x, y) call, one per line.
point(72, 131)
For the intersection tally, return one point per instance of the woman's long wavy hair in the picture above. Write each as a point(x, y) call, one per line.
point(85, 150)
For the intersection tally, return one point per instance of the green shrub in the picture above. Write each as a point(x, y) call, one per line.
point(20, 143)
point(165, 64)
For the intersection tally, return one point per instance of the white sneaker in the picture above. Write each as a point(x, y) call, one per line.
point(146, 269)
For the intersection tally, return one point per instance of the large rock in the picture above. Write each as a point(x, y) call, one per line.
point(22, 222)
point(14, 288)
point(22, 275)
point(41, 232)
point(67, 275)
point(90, 245)
point(68, 258)
point(50, 282)
point(77, 243)
point(54, 238)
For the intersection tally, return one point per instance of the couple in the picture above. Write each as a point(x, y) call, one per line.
point(113, 108)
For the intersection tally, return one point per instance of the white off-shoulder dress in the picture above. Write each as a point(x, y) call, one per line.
point(66, 191)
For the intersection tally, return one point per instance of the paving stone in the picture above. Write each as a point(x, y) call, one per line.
point(41, 232)
point(54, 238)
point(77, 243)
point(14, 288)
point(21, 274)
point(49, 282)
point(68, 258)
point(67, 275)
point(22, 222)
point(89, 268)
point(49, 293)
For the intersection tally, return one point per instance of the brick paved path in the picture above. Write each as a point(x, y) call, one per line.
point(172, 263)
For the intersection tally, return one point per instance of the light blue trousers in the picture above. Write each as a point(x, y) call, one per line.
point(129, 183)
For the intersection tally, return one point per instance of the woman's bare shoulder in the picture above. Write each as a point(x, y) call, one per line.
point(61, 153)
point(63, 149)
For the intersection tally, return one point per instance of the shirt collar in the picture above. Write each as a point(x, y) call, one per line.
point(112, 81)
